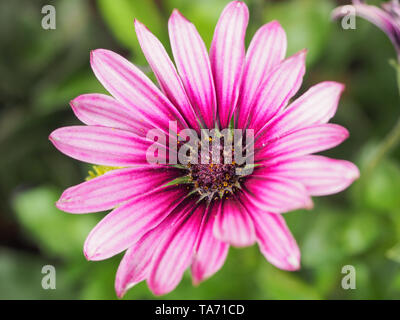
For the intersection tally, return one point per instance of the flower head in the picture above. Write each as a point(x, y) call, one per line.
point(387, 19)
point(171, 217)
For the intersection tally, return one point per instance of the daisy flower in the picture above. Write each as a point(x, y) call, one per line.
point(169, 218)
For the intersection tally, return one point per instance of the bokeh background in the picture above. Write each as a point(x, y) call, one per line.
point(42, 70)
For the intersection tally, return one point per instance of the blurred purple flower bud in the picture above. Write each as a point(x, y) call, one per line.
point(386, 18)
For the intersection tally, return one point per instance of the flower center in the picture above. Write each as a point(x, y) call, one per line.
point(215, 178)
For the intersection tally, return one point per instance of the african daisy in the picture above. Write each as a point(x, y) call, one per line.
point(169, 218)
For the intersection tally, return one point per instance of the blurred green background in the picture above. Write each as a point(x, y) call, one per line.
point(41, 70)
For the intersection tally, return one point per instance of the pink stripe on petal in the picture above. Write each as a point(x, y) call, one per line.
point(275, 194)
point(193, 65)
point(176, 254)
point(320, 175)
point(266, 51)
point(272, 95)
point(165, 72)
point(101, 145)
point(210, 252)
point(125, 225)
point(276, 241)
point(113, 188)
point(131, 86)
point(233, 224)
point(317, 106)
point(96, 109)
point(301, 142)
point(137, 263)
point(227, 56)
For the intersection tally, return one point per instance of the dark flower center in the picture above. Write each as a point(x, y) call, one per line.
point(215, 178)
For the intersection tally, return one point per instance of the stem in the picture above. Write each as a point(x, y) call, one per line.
point(392, 139)
point(385, 147)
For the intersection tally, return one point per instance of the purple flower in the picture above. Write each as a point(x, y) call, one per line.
point(387, 19)
point(166, 229)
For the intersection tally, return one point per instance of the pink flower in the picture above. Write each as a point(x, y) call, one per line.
point(166, 229)
point(387, 19)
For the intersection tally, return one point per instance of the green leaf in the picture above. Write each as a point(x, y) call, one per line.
point(284, 285)
point(21, 277)
point(320, 245)
point(359, 232)
point(383, 188)
point(59, 94)
point(120, 14)
point(335, 235)
point(394, 253)
point(57, 233)
point(306, 22)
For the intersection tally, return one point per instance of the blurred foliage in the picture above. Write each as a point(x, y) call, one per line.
point(306, 25)
point(120, 14)
point(42, 70)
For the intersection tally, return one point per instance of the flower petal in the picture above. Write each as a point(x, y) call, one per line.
point(125, 225)
point(96, 109)
point(265, 52)
point(317, 106)
point(131, 86)
point(101, 145)
point(275, 194)
point(276, 241)
point(302, 142)
point(137, 261)
point(272, 95)
point(176, 254)
point(210, 252)
point(165, 72)
point(113, 188)
point(383, 20)
point(233, 224)
point(193, 65)
point(320, 175)
point(227, 56)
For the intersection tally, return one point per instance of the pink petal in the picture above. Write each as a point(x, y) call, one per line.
point(176, 254)
point(125, 225)
point(320, 175)
point(193, 65)
point(317, 106)
point(165, 72)
point(96, 109)
point(113, 188)
point(210, 252)
point(227, 55)
point(233, 224)
point(302, 142)
point(382, 19)
point(137, 263)
point(276, 194)
point(131, 86)
point(101, 145)
point(266, 51)
point(274, 93)
point(275, 240)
